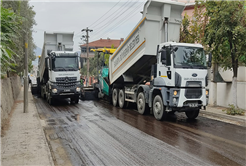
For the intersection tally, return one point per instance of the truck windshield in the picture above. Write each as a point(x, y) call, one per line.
point(189, 57)
point(65, 64)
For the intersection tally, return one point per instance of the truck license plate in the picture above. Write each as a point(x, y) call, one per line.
point(193, 105)
point(66, 90)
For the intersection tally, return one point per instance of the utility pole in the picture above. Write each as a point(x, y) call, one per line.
point(87, 51)
point(26, 80)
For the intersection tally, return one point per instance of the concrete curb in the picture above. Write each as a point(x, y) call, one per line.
point(225, 118)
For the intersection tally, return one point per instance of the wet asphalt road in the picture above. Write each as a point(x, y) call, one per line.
point(96, 133)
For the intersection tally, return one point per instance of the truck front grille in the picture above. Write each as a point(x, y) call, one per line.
point(66, 79)
point(71, 85)
point(66, 82)
point(193, 93)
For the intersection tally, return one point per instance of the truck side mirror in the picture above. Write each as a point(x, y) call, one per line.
point(163, 56)
point(209, 59)
point(48, 52)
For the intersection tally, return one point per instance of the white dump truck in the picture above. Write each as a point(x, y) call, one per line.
point(150, 68)
point(59, 68)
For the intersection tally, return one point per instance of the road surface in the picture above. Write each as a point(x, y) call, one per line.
point(96, 133)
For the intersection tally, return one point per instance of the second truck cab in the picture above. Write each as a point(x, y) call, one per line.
point(64, 75)
point(180, 75)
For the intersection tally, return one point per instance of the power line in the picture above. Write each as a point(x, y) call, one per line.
point(108, 24)
point(79, 33)
point(115, 17)
point(121, 21)
point(119, 9)
point(105, 13)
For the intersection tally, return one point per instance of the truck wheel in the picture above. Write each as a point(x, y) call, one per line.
point(38, 86)
point(73, 100)
point(49, 99)
point(115, 97)
point(141, 105)
point(192, 114)
point(96, 92)
point(121, 98)
point(158, 108)
point(76, 100)
point(42, 94)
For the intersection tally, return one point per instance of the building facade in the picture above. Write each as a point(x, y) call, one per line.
point(101, 43)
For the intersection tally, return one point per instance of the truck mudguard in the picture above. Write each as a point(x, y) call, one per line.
point(164, 93)
point(145, 89)
point(159, 82)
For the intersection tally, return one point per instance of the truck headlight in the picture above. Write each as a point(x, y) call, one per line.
point(206, 92)
point(77, 89)
point(54, 90)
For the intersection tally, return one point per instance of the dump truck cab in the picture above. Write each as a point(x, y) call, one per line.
point(180, 77)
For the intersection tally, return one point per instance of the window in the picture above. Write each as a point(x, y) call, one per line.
point(189, 57)
point(168, 62)
point(83, 49)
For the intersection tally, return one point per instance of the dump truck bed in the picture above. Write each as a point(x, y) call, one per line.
point(134, 57)
point(55, 41)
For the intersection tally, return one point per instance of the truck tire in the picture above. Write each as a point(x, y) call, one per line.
point(43, 95)
point(141, 105)
point(76, 100)
point(96, 92)
point(38, 86)
point(158, 108)
point(34, 90)
point(121, 98)
point(115, 97)
point(49, 99)
point(192, 114)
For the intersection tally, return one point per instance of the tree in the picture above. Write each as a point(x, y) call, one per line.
point(188, 30)
point(9, 27)
point(225, 34)
point(96, 62)
point(93, 66)
point(26, 13)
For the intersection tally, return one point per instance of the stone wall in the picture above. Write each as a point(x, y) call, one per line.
point(10, 89)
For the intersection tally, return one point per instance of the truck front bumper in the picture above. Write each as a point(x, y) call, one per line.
point(61, 92)
point(183, 99)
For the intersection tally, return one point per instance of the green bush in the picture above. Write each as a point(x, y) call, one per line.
point(232, 110)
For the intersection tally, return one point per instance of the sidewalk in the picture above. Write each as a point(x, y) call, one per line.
point(24, 142)
point(216, 113)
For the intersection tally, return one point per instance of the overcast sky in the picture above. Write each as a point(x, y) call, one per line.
point(108, 18)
